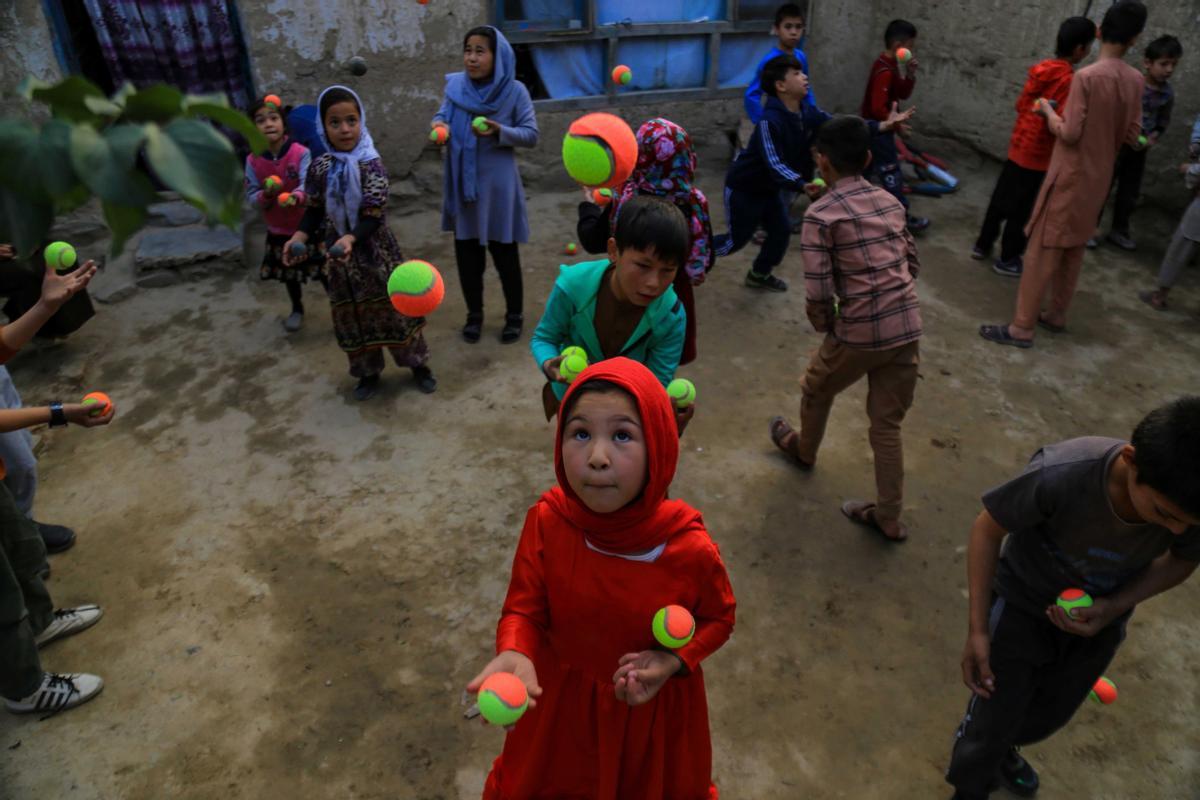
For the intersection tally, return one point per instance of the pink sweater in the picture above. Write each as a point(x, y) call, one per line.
point(291, 167)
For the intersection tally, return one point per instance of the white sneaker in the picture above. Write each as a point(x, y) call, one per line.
point(58, 693)
point(69, 621)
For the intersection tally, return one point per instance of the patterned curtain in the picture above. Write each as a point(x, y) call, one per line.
point(194, 45)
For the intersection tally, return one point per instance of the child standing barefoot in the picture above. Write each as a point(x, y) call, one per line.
point(483, 202)
point(612, 714)
point(289, 162)
point(347, 197)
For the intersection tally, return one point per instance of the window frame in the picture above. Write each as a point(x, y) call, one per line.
point(612, 34)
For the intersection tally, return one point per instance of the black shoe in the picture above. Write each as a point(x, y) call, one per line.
point(425, 380)
point(57, 537)
point(366, 387)
point(1011, 268)
point(769, 282)
point(1017, 775)
point(512, 328)
point(474, 328)
point(917, 224)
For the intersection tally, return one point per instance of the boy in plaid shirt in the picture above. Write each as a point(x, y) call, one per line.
point(860, 268)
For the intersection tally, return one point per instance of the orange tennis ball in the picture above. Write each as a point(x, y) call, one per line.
point(1072, 599)
point(502, 698)
point(273, 183)
point(273, 100)
point(415, 288)
point(599, 150)
point(602, 197)
point(673, 626)
point(98, 399)
point(904, 55)
point(285, 199)
point(622, 75)
point(439, 134)
point(1105, 691)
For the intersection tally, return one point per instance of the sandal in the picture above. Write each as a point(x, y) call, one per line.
point(1050, 326)
point(864, 514)
point(474, 328)
point(784, 437)
point(1156, 300)
point(512, 328)
point(1000, 335)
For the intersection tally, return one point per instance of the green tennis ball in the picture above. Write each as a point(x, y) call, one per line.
point(502, 698)
point(818, 181)
point(60, 255)
point(682, 392)
point(1142, 141)
point(673, 626)
point(1072, 599)
point(587, 159)
point(574, 361)
point(480, 124)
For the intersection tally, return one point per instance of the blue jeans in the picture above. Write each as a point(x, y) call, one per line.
point(885, 162)
point(16, 448)
point(746, 211)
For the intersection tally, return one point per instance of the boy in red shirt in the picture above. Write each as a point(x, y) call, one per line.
point(887, 86)
point(1030, 147)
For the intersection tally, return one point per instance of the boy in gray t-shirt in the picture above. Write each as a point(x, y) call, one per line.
point(1120, 521)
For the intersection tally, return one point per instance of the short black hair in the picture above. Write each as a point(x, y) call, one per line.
point(486, 31)
point(335, 96)
point(788, 11)
point(1123, 22)
point(650, 223)
point(1073, 33)
point(1166, 447)
point(845, 140)
point(1164, 47)
point(899, 30)
point(777, 69)
point(261, 103)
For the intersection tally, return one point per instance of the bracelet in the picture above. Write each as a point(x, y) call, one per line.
point(58, 418)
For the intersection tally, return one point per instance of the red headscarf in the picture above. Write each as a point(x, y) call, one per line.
point(651, 519)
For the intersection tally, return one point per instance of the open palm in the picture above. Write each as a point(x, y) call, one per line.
point(641, 675)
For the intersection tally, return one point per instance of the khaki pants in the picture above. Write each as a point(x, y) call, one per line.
point(891, 379)
point(1053, 268)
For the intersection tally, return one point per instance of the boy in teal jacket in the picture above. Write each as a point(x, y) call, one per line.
point(622, 305)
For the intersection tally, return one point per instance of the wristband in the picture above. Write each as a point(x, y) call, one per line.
point(58, 418)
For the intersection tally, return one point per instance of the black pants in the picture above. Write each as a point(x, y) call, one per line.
point(1127, 178)
point(25, 606)
point(885, 162)
point(1011, 204)
point(472, 263)
point(746, 212)
point(1042, 675)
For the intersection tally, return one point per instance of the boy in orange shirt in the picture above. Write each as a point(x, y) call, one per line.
point(1030, 147)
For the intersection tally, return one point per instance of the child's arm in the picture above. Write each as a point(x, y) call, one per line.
point(594, 228)
point(524, 130)
point(663, 354)
point(1164, 119)
point(816, 251)
point(300, 194)
point(56, 290)
point(1069, 127)
point(752, 100)
point(15, 419)
point(314, 214)
point(983, 551)
point(254, 191)
point(552, 329)
point(1165, 572)
point(1030, 92)
point(781, 173)
point(442, 117)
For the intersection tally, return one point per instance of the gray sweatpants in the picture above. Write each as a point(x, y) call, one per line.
point(1182, 247)
point(16, 448)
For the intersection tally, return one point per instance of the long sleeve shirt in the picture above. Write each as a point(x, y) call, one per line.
point(1157, 105)
point(753, 99)
point(885, 86)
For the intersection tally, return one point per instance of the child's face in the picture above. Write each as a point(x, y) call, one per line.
point(795, 85)
point(1160, 70)
point(1153, 506)
point(604, 451)
point(1081, 52)
point(908, 43)
point(343, 125)
point(478, 58)
point(269, 124)
point(641, 275)
point(790, 31)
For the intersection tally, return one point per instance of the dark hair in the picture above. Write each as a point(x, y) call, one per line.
point(788, 11)
point(594, 386)
point(898, 30)
point(486, 31)
point(1166, 448)
point(335, 96)
point(1073, 33)
point(845, 140)
point(1123, 22)
point(261, 103)
point(649, 223)
point(1164, 47)
point(777, 69)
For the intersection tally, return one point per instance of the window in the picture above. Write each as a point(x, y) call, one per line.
point(676, 49)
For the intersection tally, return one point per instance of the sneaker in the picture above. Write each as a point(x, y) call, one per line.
point(513, 324)
point(473, 329)
point(57, 537)
point(917, 224)
point(1009, 269)
point(769, 282)
point(58, 693)
point(980, 253)
point(1017, 776)
point(69, 621)
point(365, 389)
point(1122, 240)
point(293, 322)
point(425, 380)
point(1093, 243)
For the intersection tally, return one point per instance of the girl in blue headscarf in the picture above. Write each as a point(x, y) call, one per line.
point(344, 217)
point(483, 203)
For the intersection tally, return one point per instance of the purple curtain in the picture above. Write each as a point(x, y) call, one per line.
point(194, 45)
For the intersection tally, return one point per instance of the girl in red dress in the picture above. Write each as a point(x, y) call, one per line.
point(612, 715)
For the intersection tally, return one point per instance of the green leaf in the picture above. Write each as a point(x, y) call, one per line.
point(159, 103)
point(106, 171)
point(67, 99)
point(231, 118)
point(102, 106)
point(24, 221)
point(124, 140)
point(67, 202)
point(122, 94)
point(193, 159)
point(53, 158)
point(123, 221)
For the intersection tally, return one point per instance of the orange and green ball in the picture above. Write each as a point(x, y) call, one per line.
point(415, 288)
point(100, 401)
point(622, 75)
point(673, 626)
point(1072, 599)
point(599, 150)
point(60, 256)
point(502, 698)
point(1104, 692)
point(439, 134)
point(904, 55)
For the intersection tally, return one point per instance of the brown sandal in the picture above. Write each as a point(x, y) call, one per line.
point(864, 514)
point(784, 437)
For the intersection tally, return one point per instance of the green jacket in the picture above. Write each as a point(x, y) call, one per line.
point(570, 315)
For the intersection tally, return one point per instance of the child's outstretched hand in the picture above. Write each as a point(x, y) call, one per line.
point(518, 664)
point(641, 675)
point(347, 245)
point(1085, 621)
point(58, 289)
point(299, 237)
point(78, 414)
point(898, 120)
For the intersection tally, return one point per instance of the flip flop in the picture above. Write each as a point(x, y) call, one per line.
point(1000, 335)
point(1050, 326)
point(781, 432)
point(864, 514)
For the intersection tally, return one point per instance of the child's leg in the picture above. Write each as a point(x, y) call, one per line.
point(471, 257)
point(366, 363)
point(295, 293)
point(412, 355)
point(832, 369)
point(885, 161)
point(1128, 177)
point(507, 258)
point(1023, 195)
point(16, 451)
point(779, 232)
point(997, 210)
point(1179, 253)
point(1041, 263)
point(889, 396)
point(743, 210)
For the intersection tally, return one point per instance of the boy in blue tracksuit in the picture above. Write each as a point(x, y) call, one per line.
point(789, 28)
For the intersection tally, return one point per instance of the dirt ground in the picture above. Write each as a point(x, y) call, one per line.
point(296, 585)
